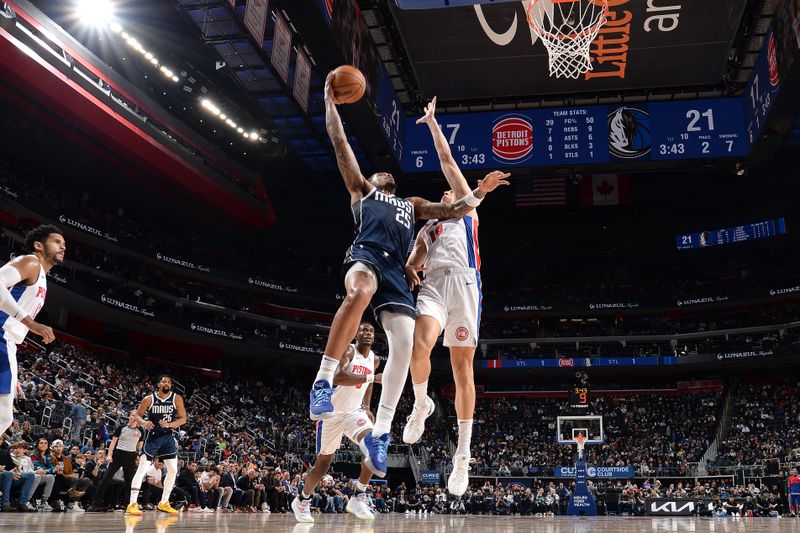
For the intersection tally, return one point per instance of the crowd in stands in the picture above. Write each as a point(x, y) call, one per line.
point(764, 424)
point(248, 443)
point(141, 280)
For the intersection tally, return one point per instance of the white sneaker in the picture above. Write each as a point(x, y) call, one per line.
point(74, 508)
point(302, 510)
point(45, 507)
point(408, 512)
point(415, 423)
point(359, 507)
point(264, 507)
point(208, 510)
point(459, 478)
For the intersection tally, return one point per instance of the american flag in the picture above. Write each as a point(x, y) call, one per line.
point(548, 191)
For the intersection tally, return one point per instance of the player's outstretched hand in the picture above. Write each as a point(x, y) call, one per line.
point(329, 89)
point(493, 180)
point(412, 277)
point(430, 113)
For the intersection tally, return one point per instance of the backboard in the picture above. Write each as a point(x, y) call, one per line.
point(568, 427)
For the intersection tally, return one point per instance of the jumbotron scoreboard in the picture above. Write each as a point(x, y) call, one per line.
point(584, 135)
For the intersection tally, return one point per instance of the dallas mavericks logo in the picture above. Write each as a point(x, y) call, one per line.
point(629, 133)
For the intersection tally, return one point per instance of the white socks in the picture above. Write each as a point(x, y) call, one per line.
point(464, 437)
point(360, 487)
point(169, 482)
point(138, 477)
point(421, 393)
point(399, 330)
point(327, 367)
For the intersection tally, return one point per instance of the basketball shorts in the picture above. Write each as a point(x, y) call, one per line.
point(8, 366)
point(162, 446)
point(453, 297)
point(392, 294)
point(794, 499)
point(331, 431)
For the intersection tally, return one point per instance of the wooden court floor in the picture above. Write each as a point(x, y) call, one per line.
point(228, 523)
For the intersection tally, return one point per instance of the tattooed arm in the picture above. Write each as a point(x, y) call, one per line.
point(356, 184)
point(425, 210)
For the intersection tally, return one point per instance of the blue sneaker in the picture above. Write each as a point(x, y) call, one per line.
point(374, 450)
point(320, 406)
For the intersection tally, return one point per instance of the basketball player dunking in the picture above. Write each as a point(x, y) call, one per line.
point(23, 288)
point(165, 413)
point(351, 399)
point(374, 271)
point(449, 300)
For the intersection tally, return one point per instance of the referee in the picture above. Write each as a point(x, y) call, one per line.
point(122, 454)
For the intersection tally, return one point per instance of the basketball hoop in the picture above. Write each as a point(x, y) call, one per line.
point(567, 29)
point(580, 441)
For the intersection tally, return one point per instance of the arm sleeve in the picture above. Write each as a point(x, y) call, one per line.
point(117, 432)
point(10, 276)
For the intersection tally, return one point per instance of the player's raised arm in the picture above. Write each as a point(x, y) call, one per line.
point(425, 209)
point(345, 158)
point(415, 261)
point(450, 169)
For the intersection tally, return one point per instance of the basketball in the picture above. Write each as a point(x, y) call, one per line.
point(348, 84)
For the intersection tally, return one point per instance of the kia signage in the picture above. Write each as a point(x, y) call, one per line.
point(488, 51)
point(669, 507)
point(624, 472)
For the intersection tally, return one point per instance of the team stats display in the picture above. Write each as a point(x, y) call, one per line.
point(733, 234)
point(583, 135)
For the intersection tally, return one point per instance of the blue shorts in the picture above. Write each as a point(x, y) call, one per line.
point(794, 499)
point(162, 446)
point(8, 365)
point(392, 294)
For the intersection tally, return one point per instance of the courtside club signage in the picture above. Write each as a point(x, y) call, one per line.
point(512, 139)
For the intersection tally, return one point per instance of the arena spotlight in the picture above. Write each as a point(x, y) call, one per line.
point(94, 12)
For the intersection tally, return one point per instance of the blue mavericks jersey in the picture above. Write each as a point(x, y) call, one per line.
point(162, 410)
point(385, 222)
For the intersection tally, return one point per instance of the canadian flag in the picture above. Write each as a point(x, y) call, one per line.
point(605, 189)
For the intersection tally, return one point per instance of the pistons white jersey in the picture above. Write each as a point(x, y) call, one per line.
point(31, 299)
point(351, 397)
point(452, 243)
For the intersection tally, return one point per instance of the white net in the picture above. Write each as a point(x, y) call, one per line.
point(580, 441)
point(567, 29)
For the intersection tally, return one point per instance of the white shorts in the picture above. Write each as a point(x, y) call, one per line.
point(453, 297)
point(330, 431)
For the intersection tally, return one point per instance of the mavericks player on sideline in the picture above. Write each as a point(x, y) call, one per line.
point(374, 271)
point(449, 300)
point(165, 413)
point(351, 399)
point(23, 288)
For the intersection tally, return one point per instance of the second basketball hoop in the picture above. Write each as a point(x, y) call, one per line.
point(567, 29)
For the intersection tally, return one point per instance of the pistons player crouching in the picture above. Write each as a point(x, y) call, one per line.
point(351, 399)
point(165, 413)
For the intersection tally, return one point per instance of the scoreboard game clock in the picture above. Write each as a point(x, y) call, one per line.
point(599, 134)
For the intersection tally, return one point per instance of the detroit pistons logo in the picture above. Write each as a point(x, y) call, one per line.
point(772, 61)
point(361, 422)
point(565, 362)
point(512, 139)
point(462, 333)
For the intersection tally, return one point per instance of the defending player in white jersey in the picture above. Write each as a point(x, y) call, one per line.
point(449, 300)
point(23, 288)
point(351, 399)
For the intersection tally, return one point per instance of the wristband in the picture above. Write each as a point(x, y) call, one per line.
point(370, 378)
point(471, 200)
